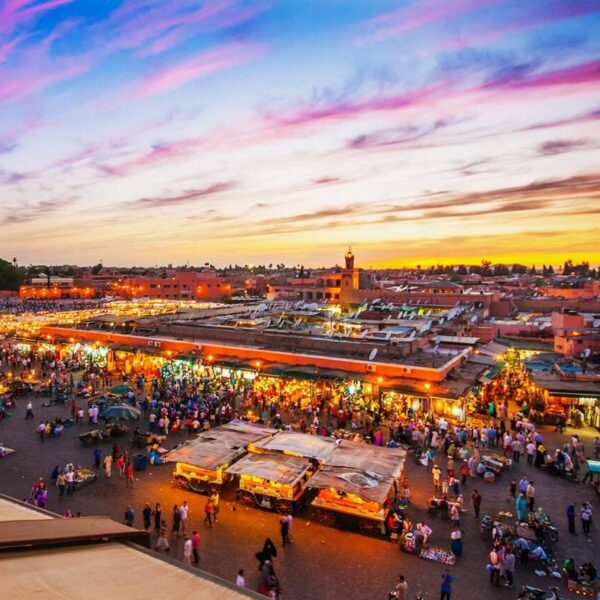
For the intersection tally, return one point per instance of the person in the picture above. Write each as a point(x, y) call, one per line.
point(570, 570)
point(521, 506)
point(157, 513)
point(29, 410)
point(209, 510)
point(196, 547)
point(401, 590)
point(162, 543)
point(129, 474)
point(108, 461)
point(284, 526)
point(215, 501)
point(523, 484)
point(512, 490)
point(240, 580)
point(446, 588)
point(129, 516)
point(436, 474)
point(70, 478)
point(187, 551)
point(97, 458)
point(41, 429)
point(267, 553)
point(571, 517)
point(476, 499)
point(530, 452)
point(586, 518)
point(456, 545)
point(147, 515)
point(61, 483)
point(494, 567)
point(455, 516)
point(508, 565)
point(530, 495)
point(176, 518)
point(184, 511)
point(588, 572)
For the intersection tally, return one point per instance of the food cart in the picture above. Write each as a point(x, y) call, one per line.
point(351, 496)
point(496, 463)
point(272, 481)
point(359, 486)
point(294, 443)
point(201, 463)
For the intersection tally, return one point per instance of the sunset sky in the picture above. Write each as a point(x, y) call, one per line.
point(152, 131)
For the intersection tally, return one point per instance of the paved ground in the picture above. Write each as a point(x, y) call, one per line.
point(323, 563)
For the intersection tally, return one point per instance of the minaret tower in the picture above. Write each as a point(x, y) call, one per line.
point(350, 281)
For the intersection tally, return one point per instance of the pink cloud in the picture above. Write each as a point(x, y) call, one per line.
point(207, 63)
point(15, 13)
point(419, 14)
point(559, 12)
point(162, 26)
point(574, 75)
point(21, 83)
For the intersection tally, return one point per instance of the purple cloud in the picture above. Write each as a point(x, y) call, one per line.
point(187, 196)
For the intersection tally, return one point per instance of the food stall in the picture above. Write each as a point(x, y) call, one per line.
point(358, 485)
point(201, 463)
point(352, 496)
point(272, 481)
point(293, 443)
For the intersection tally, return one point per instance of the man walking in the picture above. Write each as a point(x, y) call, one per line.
point(187, 552)
point(530, 495)
point(97, 458)
point(476, 499)
point(29, 410)
point(508, 564)
point(446, 589)
point(184, 511)
point(284, 526)
point(196, 547)
point(147, 514)
point(571, 517)
point(586, 518)
point(495, 568)
point(215, 501)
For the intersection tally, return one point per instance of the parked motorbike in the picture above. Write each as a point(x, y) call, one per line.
point(529, 592)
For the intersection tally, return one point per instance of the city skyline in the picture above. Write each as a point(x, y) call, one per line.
point(254, 132)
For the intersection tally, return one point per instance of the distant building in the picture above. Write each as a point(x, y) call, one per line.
point(180, 285)
point(56, 288)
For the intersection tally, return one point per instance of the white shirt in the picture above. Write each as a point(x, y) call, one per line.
point(240, 581)
point(183, 511)
point(187, 548)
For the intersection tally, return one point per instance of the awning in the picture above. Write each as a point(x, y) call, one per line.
point(274, 370)
point(302, 372)
point(193, 355)
point(122, 348)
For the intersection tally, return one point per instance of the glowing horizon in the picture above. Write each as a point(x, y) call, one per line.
point(247, 131)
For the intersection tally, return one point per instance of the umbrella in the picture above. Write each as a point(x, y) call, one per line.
point(120, 390)
point(121, 412)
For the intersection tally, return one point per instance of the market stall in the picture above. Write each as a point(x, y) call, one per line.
point(353, 496)
point(272, 481)
point(201, 463)
point(298, 444)
point(358, 483)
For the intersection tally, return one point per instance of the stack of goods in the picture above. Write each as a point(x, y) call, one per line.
point(439, 555)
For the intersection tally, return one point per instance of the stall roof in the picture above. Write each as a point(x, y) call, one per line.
point(273, 467)
point(367, 486)
point(122, 348)
point(219, 446)
point(299, 444)
point(386, 462)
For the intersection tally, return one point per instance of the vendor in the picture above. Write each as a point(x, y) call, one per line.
point(570, 570)
point(588, 572)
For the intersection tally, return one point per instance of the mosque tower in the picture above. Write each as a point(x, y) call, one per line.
point(350, 281)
